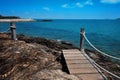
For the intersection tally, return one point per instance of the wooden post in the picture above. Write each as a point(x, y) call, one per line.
point(13, 31)
point(81, 39)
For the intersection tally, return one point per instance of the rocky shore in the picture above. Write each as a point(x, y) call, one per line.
point(33, 58)
point(106, 63)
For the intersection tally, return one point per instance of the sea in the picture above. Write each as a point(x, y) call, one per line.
point(103, 34)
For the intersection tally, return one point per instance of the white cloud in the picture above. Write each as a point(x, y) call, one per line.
point(110, 1)
point(65, 6)
point(79, 5)
point(89, 2)
point(46, 8)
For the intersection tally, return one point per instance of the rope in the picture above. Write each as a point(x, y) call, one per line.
point(6, 31)
point(92, 61)
point(98, 49)
point(96, 67)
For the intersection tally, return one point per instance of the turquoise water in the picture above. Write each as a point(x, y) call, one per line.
point(104, 34)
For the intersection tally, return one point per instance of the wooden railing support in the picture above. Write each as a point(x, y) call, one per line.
point(13, 31)
point(81, 39)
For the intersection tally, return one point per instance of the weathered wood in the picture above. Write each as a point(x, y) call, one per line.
point(79, 65)
point(13, 27)
point(84, 61)
point(81, 39)
point(74, 55)
point(75, 58)
point(83, 71)
point(91, 76)
point(13, 31)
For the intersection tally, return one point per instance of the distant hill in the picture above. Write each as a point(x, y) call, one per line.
point(44, 20)
point(118, 18)
point(9, 17)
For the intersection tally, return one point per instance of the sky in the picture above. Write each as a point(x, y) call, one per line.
point(61, 9)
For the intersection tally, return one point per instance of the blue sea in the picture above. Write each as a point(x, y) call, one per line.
point(103, 34)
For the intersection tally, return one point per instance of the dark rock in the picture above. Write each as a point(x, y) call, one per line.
point(49, 43)
point(19, 60)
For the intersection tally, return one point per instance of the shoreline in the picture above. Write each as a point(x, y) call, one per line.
point(54, 47)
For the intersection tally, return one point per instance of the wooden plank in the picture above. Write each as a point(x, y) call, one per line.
point(71, 50)
point(74, 56)
point(64, 51)
point(91, 76)
point(78, 57)
point(77, 66)
point(71, 54)
point(84, 61)
point(83, 71)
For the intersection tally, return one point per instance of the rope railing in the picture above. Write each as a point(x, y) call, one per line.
point(6, 31)
point(98, 49)
point(97, 66)
point(92, 61)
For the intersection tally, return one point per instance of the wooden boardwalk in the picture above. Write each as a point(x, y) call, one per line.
point(80, 65)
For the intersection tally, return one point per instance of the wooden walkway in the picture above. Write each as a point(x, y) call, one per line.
point(79, 65)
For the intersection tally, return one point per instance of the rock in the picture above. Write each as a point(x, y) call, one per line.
point(49, 43)
point(17, 52)
point(53, 75)
point(66, 43)
point(23, 60)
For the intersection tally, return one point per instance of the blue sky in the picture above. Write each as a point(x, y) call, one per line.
point(61, 9)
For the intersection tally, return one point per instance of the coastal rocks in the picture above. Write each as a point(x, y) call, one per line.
point(56, 75)
point(105, 63)
point(64, 42)
point(49, 43)
point(24, 61)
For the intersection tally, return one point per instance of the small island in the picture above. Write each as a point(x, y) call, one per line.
point(118, 19)
point(44, 20)
point(9, 17)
